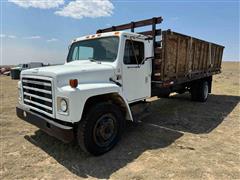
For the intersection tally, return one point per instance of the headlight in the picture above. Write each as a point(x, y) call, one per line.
point(63, 105)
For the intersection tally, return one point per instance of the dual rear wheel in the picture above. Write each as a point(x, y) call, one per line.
point(199, 91)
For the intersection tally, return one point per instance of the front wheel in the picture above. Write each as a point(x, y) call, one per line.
point(100, 128)
point(199, 91)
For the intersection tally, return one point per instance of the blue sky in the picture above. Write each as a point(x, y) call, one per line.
point(42, 31)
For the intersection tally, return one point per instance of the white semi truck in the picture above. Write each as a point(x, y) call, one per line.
point(90, 97)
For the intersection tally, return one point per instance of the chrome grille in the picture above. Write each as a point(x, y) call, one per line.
point(37, 94)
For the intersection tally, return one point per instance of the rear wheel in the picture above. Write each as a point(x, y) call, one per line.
point(199, 91)
point(100, 129)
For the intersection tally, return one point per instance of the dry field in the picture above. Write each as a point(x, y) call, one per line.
point(177, 139)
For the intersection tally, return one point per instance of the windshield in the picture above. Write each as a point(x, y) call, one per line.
point(101, 49)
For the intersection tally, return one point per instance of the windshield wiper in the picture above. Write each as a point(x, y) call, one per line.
point(94, 60)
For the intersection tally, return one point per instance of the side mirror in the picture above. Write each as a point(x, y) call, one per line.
point(147, 58)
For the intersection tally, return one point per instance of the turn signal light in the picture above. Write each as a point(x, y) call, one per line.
point(73, 83)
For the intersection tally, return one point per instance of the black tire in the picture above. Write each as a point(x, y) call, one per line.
point(100, 128)
point(199, 91)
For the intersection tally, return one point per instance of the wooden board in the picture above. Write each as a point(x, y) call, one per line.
point(184, 56)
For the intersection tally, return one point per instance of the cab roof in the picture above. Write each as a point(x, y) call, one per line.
point(107, 34)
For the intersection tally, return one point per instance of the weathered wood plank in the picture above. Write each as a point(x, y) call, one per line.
point(184, 56)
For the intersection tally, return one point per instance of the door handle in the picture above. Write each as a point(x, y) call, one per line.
point(133, 66)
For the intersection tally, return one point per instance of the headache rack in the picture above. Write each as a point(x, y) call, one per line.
point(153, 33)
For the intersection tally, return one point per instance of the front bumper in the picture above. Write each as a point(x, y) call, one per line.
point(61, 132)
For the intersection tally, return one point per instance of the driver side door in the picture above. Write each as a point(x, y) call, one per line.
point(136, 71)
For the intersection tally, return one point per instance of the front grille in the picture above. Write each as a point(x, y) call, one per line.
point(37, 94)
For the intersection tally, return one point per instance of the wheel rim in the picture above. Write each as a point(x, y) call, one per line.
point(205, 90)
point(105, 130)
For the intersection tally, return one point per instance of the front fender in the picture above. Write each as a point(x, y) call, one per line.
point(78, 97)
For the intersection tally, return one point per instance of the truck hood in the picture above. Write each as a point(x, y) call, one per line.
point(84, 71)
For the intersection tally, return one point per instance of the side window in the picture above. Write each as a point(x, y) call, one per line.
point(134, 52)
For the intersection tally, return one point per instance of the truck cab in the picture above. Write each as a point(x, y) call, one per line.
point(127, 54)
point(103, 68)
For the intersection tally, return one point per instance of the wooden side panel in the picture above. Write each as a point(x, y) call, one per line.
point(171, 47)
point(205, 56)
point(184, 56)
point(157, 64)
point(176, 55)
point(216, 56)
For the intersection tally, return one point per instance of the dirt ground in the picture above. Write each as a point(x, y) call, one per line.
point(178, 139)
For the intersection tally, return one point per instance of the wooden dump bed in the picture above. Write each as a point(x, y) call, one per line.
point(183, 58)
